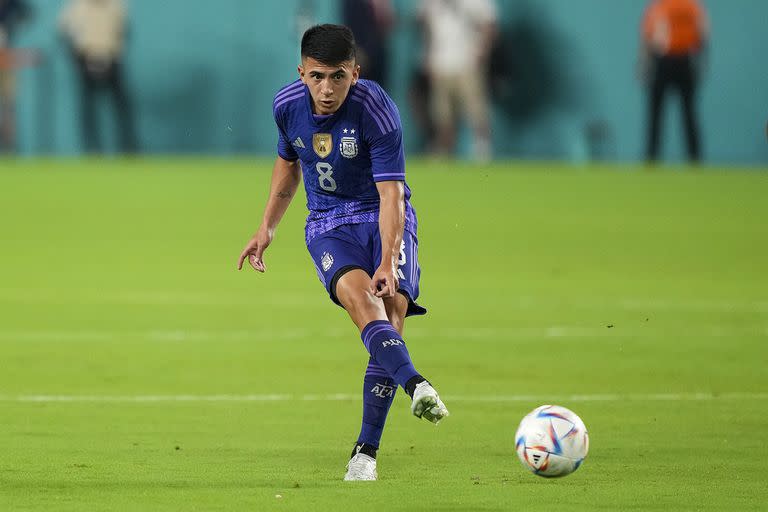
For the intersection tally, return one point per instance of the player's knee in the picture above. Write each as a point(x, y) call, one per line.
point(370, 303)
point(396, 321)
point(363, 306)
point(396, 308)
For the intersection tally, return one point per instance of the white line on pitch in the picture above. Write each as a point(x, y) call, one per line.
point(552, 331)
point(344, 397)
point(313, 300)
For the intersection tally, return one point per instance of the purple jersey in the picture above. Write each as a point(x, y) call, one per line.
point(344, 154)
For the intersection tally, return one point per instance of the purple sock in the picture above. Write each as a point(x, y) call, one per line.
point(387, 348)
point(378, 393)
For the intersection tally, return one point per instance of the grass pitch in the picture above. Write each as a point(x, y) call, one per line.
point(141, 371)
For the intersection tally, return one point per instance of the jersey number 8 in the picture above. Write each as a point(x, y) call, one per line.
point(326, 176)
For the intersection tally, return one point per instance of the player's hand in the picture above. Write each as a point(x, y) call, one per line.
point(384, 282)
point(254, 250)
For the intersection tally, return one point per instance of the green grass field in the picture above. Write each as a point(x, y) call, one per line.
point(140, 371)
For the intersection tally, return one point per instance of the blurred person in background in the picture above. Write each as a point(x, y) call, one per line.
point(459, 39)
point(12, 12)
point(371, 22)
point(96, 32)
point(674, 37)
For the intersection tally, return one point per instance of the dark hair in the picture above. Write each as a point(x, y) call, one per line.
point(329, 44)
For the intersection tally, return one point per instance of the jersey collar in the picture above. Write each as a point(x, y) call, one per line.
point(330, 120)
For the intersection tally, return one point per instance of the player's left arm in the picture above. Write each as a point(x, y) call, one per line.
point(385, 140)
point(391, 224)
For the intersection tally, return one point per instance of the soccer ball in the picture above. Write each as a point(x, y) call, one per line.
point(552, 441)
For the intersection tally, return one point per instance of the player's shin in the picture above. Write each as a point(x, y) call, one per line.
point(387, 348)
point(378, 394)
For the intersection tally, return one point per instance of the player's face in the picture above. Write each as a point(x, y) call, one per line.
point(328, 85)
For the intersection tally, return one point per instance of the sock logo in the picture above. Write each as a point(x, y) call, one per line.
point(392, 342)
point(383, 390)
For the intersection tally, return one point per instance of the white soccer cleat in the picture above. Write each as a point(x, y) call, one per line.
point(427, 404)
point(361, 467)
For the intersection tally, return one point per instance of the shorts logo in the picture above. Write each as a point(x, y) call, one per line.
point(383, 390)
point(348, 147)
point(326, 261)
point(391, 343)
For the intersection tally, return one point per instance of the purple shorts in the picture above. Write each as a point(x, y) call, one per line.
point(353, 246)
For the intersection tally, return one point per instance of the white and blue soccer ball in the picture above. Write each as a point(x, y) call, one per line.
point(552, 441)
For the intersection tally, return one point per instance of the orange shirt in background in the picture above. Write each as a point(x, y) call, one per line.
point(674, 27)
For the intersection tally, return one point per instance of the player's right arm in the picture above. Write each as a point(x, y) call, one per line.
point(286, 176)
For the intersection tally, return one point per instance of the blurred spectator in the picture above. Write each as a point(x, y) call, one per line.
point(371, 22)
point(460, 35)
point(419, 93)
point(96, 33)
point(11, 13)
point(674, 36)
point(304, 18)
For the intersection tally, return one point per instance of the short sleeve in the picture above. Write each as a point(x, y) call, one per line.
point(388, 157)
point(284, 147)
point(383, 135)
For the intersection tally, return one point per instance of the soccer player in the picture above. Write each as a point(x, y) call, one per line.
point(343, 134)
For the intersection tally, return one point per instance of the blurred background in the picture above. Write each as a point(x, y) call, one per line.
point(141, 371)
point(565, 79)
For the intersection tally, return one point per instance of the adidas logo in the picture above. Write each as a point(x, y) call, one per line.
point(299, 143)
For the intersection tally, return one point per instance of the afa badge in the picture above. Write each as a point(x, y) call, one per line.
point(322, 143)
point(326, 261)
point(348, 147)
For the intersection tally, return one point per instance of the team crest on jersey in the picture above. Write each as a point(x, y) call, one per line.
point(326, 261)
point(348, 147)
point(322, 143)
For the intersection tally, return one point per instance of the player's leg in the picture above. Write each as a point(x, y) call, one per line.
point(373, 316)
point(657, 88)
point(383, 342)
point(336, 253)
point(687, 85)
point(474, 99)
point(379, 390)
point(379, 386)
point(123, 108)
point(344, 266)
point(442, 108)
point(425, 403)
point(89, 85)
point(385, 345)
point(7, 110)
